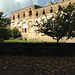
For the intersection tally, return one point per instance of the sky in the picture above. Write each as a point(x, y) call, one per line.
point(8, 6)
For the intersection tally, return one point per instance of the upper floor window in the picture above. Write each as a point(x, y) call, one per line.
point(23, 14)
point(36, 13)
point(13, 17)
point(51, 10)
point(59, 8)
point(30, 12)
point(43, 11)
point(69, 2)
point(18, 15)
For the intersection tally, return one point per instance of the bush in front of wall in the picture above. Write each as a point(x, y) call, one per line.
point(15, 33)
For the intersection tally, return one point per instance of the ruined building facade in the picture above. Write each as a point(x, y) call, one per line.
point(26, 19)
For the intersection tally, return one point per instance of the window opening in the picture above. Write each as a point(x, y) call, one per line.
point(59, 8)
point(18, 16)
point(13, 17)
point(25, 30)
point(43, 11)
point(51, 10)
point(30, 12)
point(23, 14)
point(36, 13)
point(69, 2)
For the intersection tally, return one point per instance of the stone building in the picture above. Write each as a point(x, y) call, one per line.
point(26, 19)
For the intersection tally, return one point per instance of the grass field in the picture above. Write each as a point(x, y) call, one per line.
point(37, 65)
point(23, 41)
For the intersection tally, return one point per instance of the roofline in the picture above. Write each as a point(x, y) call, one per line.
point(26, 7)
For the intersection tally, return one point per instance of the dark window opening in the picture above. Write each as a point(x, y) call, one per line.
point(59, 8)
point(30, 8)
point(30, 13)
point(13, 17)
point(43, 11)
point(51, 11)
point(37, 13)
point(24, 15)
point(25, 30)
point(18, 16)
point(69, 2)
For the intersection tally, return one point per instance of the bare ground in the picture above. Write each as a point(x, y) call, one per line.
point(37, 65)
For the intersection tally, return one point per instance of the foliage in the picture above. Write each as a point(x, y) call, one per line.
point(15, 33)
point(3, 24)
point(63, 24)
point(4, 32)
point(8, 33)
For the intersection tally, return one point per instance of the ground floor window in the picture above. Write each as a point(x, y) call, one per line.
point(25, 30)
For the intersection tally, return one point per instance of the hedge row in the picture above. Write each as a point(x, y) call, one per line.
point(37, 48)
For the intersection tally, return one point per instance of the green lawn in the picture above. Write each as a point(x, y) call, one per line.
point(22, 41)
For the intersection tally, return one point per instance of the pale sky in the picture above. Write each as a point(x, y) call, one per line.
point(7, 6)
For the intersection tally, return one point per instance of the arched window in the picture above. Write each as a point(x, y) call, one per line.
point(18, 16)
point(69, 2)
point(25, 26)
point(30, 12)
point(43, 11)
point(13, 17)
point(51, 10)
point(23, 14)
point(36, 13)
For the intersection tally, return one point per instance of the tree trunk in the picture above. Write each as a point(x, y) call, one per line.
point(57, 40)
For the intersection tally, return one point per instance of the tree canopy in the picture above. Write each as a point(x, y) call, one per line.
point(4, 33)
point(61, 25)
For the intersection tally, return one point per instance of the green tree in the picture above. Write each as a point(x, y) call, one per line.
point(60, 26)
point(3, 24)
point(15, 33)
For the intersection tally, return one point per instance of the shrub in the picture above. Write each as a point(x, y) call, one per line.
point(4, 34)
point(1, 40)
point(15, 33)
point(9, 33)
